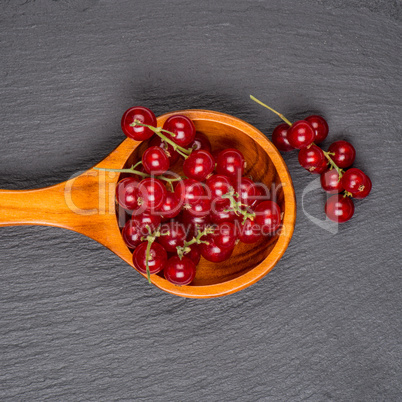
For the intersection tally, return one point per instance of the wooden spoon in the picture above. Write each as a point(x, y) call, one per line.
point(86, 204)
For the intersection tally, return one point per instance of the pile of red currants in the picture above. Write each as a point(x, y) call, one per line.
point(345, 185)
point(174, 219)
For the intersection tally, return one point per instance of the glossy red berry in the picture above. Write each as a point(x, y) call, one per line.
point(194, 254)
point(182, 127)
point(199, 165)
point(193, 224)
point(320, 127)
point(212, 252)
point(139, 226)
point(173, 155)
point(201, 141)
point(339, 208)
point(152, 193)
point(343, 153)
point(312, 158)
point(230, 162)
point(179, 271)
point(173, 234)
point(218, 185)
point(248, 191)
point(190, 191)
point(171, 206)
point(330, 182)
point(280, 137)
point(356, 182)
point(225, 235)
point(268, 216)
point(155, 160)
point(200, 209)
point(127, 193)
point(250, 232)
point(221, 212)
point(156, 261)
point(144, 116)
point(300, 134)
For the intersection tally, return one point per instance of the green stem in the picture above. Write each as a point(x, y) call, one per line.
point(185, 248)
point(158, 132)
point(333, 164)
point(151, 239)
point(272, 110)
point(236, 206)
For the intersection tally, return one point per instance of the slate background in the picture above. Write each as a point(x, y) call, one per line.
point(76, 323)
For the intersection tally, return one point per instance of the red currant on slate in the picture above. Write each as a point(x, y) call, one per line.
point(250, 232)
point(330, 182)
point(212, 252)
point(280, 137)
point(182, 127)
point(199, 165)
point(157, 258)
point(155, 160)
point(366, 191)
point(339, 208)
point(300, 134)
point(312, 158)
point(201, 141)
point(320, 127)
point(268, 216)
point(144, 116)
point(170, 152)
point(179, 271)
point(127, 193)
point(190, 191)
point(173, 234)
point(219, 185)
point(344, 153)
point(171, 206)
point(356, 182)
point(230, 162)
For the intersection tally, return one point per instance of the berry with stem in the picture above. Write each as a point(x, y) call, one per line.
point(199, 165)
point(142, 115)
point(313, 159)
point(179, 271)
point(342, 153)
point(155, 161)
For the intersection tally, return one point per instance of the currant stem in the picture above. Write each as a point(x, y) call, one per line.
point(235, 206)
point(158, 132)
point(185, 248)
point(333, 164)
point(272, 110)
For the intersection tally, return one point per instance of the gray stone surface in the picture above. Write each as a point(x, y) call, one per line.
point(76, 323)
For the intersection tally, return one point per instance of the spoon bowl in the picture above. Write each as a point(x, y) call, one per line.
point(86, 204)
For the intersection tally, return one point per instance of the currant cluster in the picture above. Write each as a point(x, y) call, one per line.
point(344, 184)
point(174, 220)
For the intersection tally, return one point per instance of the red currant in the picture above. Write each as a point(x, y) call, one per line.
point(182, 127)
point(320, 127)
point(344, 153)
point(312, 158)
point(330, 182)
point(248, 191)
point(200, 209)
point(127, 193)
point(194, 254)
point(156, 261)
point(356, 182)
point(280, 137)
point(144, 116)
point(201, 141)
point(152, 193)
point(212, 252)
point(268, 216)
point(171, 206)
point(193, 224)
point(339, 208)
point(139, 226)
point(225, 235)
point(300, 134)
point(221, 212)
point(190, 191)
point(250, 232)
point(230, 162)
point(155, 160)
point(173, 234)
point(170, 152)
point(179, 271)
point(199, 165)
point(218, 185)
